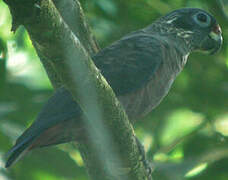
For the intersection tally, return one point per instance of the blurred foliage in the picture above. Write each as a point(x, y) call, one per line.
point(186, 136)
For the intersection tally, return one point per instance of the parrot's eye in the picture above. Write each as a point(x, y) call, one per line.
point(202, 19)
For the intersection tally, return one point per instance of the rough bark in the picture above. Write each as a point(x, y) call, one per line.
point(112, 152)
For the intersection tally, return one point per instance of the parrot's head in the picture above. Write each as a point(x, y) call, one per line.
point(196, 26)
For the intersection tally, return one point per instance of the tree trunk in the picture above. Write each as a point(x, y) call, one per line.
point(64, 43)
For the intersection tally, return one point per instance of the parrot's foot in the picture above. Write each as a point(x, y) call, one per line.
point(145, 162)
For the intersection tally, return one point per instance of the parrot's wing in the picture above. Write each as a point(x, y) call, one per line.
point(59, 107)
point(129, 63)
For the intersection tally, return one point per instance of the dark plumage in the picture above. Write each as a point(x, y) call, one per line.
point(140, 68)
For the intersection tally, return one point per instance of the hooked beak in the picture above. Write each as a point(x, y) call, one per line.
point(213, 42)
point(216, 35)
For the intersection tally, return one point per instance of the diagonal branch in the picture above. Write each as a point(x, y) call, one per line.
point(69, 64)
point(73, 15)
point(222, 8)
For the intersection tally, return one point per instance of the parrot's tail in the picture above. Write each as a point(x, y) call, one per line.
point(63, 132)
point(58, 122)
point(18, 151)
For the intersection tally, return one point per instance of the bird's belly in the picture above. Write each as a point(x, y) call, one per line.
point(141, 102)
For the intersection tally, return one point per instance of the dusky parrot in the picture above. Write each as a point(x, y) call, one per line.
point(140, 68)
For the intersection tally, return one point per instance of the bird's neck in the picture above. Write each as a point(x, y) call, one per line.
point(180, 44)
point(178, 47)
point(181, 47)
point(180, 39)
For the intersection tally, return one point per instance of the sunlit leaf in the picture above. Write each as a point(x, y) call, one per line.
point(221, 125)
point(179, 123)
point(198, 169)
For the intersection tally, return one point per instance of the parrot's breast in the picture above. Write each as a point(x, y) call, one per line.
point(139, 103)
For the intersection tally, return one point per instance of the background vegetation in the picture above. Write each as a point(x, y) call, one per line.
point(186, 137)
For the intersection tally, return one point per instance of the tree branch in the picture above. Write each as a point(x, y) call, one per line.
point(73, 16)
point(222, 8)
point(112, 152)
